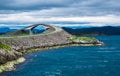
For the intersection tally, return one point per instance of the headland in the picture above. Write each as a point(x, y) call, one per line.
point(12, 48)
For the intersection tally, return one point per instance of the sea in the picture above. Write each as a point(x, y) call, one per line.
point(73, 60)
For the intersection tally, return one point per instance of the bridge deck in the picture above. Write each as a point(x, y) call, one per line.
point(49, 29)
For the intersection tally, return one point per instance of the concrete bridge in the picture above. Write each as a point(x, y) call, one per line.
point(49, 29)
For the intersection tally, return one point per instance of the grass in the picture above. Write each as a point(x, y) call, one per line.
point(5, 47)
point(81, 38)
point(23, 34)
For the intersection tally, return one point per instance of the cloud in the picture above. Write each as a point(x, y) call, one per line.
point(28, 17)
point(28, 11)
point(62, 7)
point(33, 4)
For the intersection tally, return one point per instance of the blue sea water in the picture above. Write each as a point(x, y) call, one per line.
point(73, 61)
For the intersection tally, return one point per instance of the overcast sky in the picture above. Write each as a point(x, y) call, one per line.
point(61, 11)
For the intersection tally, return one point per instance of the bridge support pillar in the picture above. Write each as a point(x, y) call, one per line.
point(30, 32)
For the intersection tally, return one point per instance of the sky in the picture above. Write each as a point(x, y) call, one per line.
point(99, 12)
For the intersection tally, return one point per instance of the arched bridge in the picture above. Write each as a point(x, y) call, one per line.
point(49, 29)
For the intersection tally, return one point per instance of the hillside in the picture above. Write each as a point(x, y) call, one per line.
point(106, 30)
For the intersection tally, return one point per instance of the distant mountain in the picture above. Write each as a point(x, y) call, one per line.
point(4, 30)
point(106, 30)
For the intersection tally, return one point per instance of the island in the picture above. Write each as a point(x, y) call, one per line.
point(14, 45)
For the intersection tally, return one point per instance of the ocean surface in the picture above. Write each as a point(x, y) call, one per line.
point(73, 61)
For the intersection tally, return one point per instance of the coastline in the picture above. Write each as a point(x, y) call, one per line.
point(10, 65)
point(29, 44)
point(58, 46)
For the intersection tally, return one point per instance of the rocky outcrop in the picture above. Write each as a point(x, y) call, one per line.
point(10, 65)
point(87, 42)
point(6, 56)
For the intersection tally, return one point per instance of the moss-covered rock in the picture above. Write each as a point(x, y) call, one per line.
point(84, 40)
point(7, 53)
point(10, 65)
point(81, 38)
point(5, 47)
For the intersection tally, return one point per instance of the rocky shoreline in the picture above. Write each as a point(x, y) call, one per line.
point(8, 55)
point(21, 45)
point(10, 65)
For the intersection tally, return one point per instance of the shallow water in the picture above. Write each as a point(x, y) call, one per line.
point(73, 61)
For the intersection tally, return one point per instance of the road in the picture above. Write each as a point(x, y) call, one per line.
point(56, 29)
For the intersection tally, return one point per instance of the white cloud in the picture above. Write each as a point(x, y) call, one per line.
point(29, 18)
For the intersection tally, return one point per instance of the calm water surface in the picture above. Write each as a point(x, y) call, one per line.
point(73, 61)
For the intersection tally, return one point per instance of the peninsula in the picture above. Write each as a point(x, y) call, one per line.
point(14, 45)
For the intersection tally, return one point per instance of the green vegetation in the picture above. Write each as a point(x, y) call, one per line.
point(5, 47)
point(81, 38)
point(23, 34)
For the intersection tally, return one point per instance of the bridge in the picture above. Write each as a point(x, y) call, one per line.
point(49, 29)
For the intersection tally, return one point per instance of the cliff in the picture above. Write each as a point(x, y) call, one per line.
point(8, 56)
point(7, 53)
